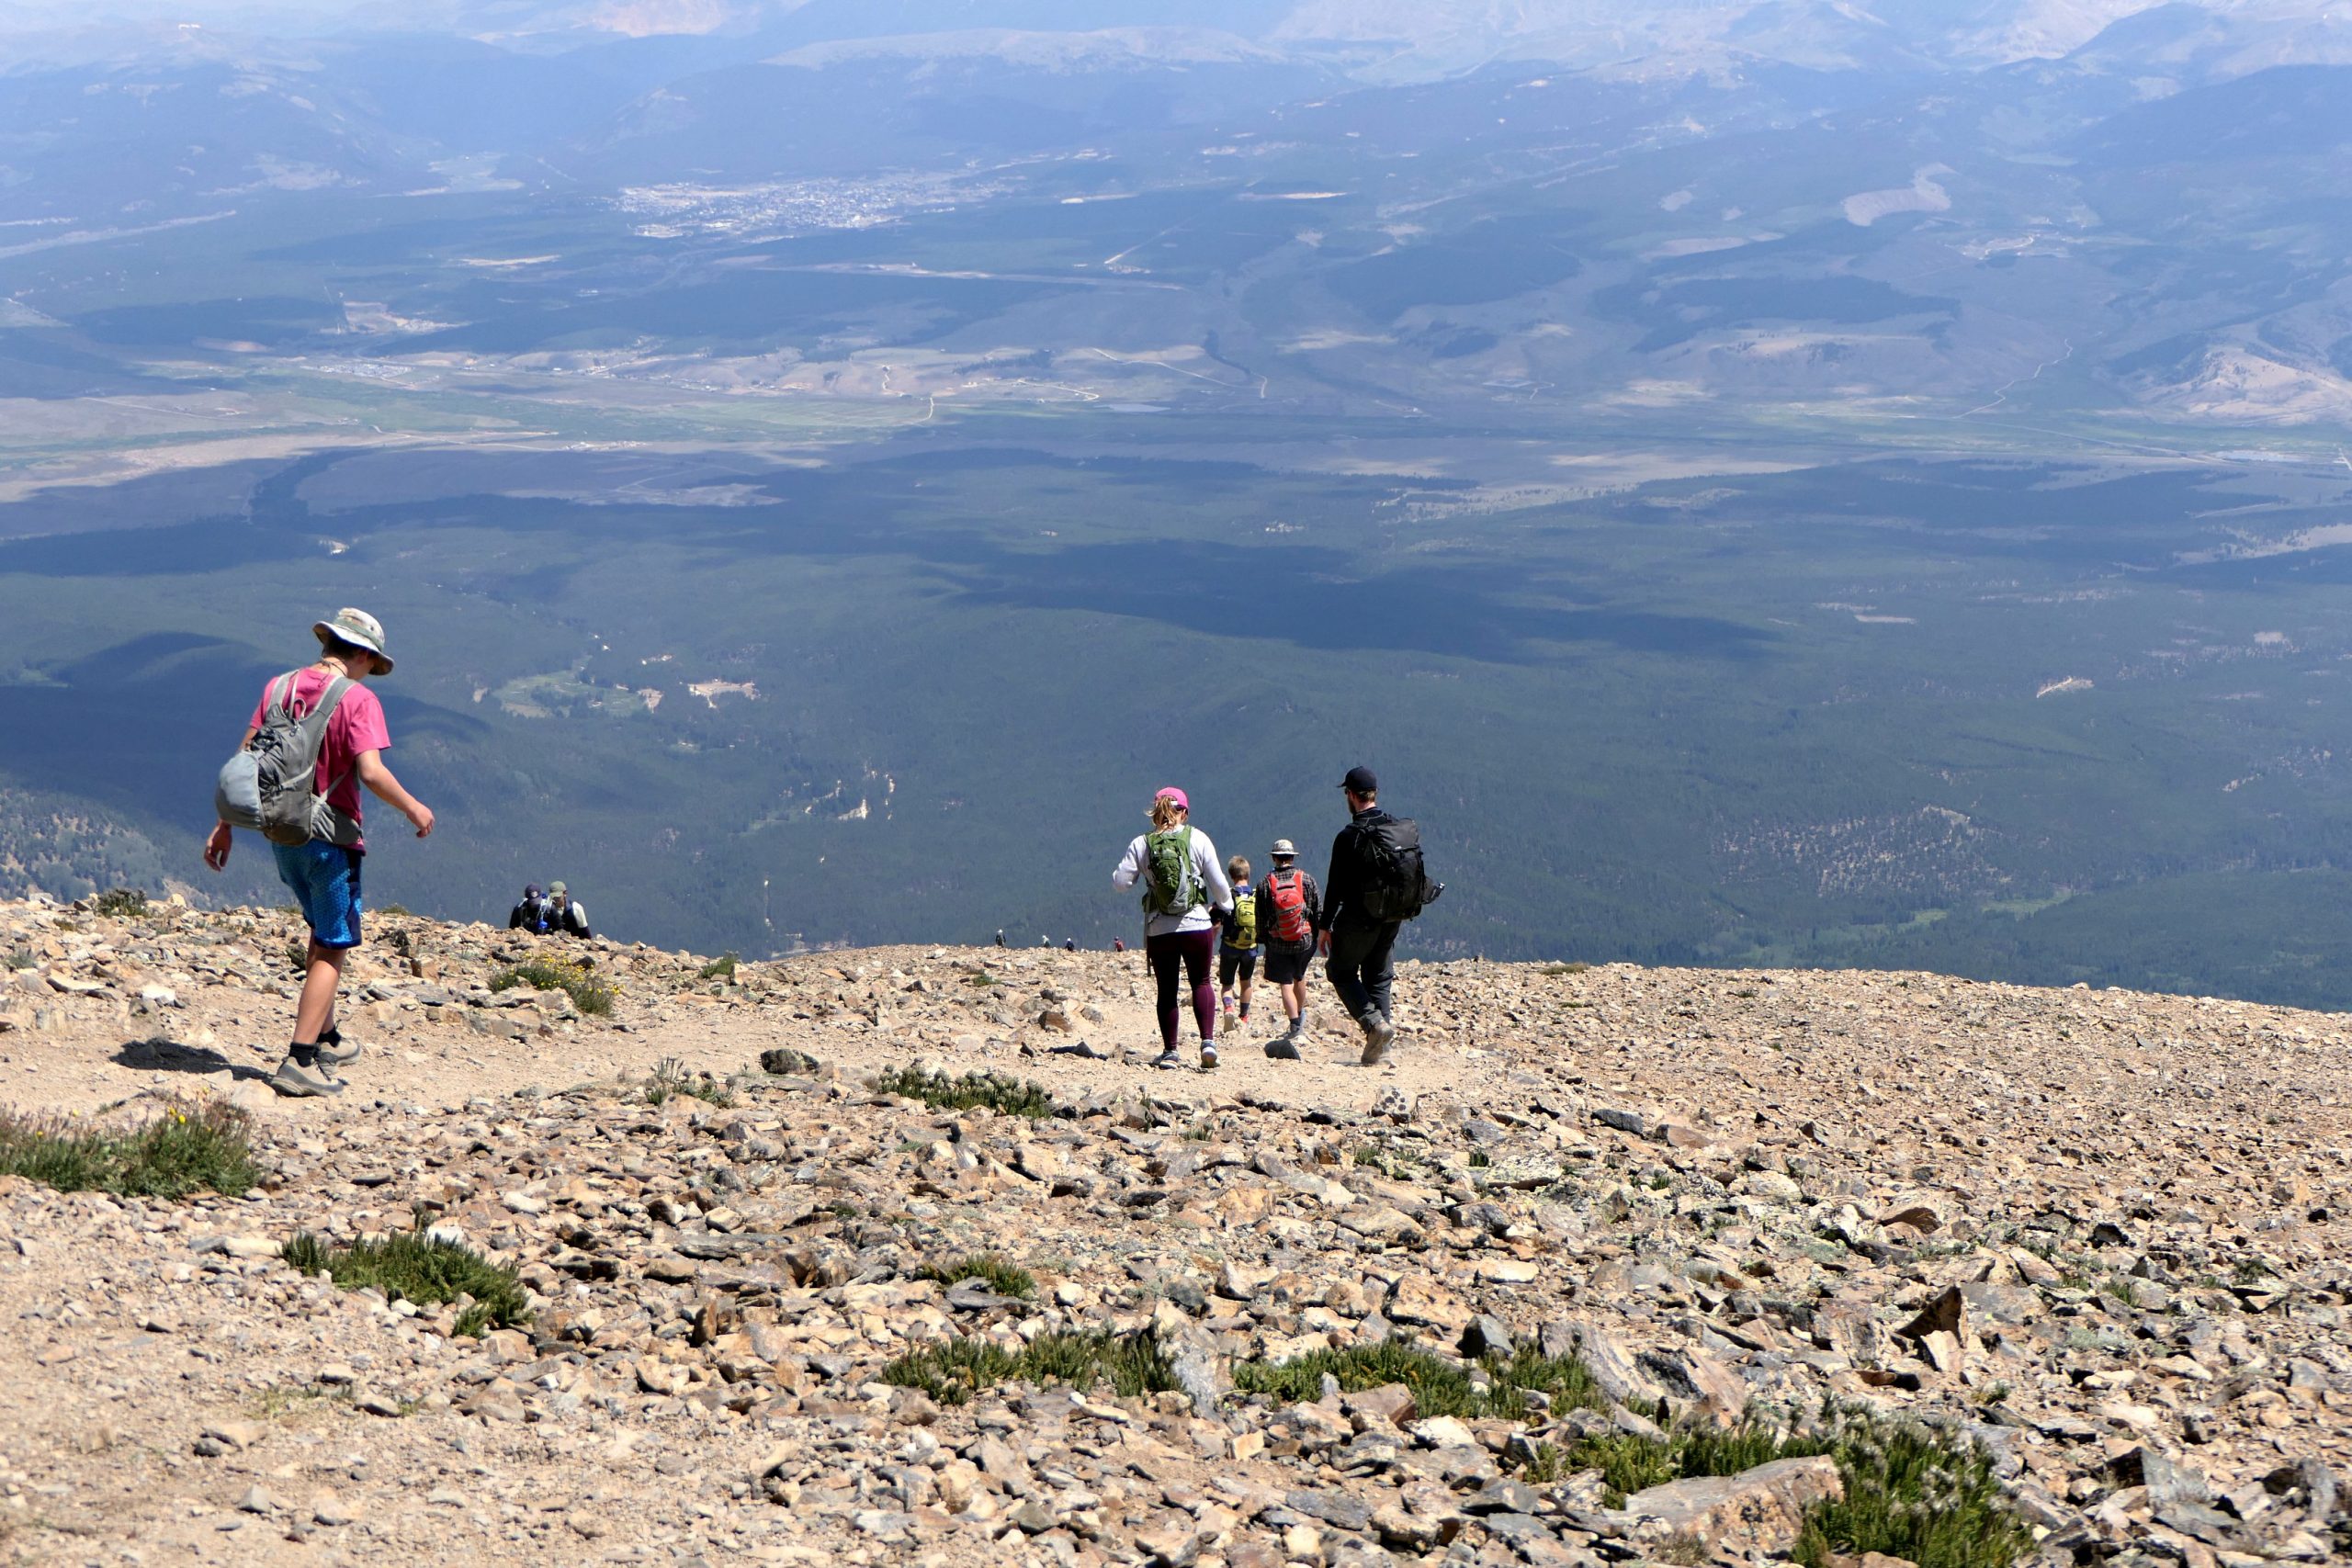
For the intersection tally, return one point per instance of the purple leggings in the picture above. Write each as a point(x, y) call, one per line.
point(1192, 951)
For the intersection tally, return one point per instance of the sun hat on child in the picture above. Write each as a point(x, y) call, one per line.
point(359, 628)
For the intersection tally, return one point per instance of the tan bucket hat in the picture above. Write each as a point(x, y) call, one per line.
point(359, 628)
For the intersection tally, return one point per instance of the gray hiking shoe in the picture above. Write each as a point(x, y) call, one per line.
point(1283, 1048)
point(335, 1050)
point(298, 1082)
point(1209, 1055)
point(1168, 1059)
point(1377, 1033)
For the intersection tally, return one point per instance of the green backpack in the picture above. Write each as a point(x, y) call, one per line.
point(1171, 886)
point(1244, 936)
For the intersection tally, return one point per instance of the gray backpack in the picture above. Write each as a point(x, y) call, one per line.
point(270, 784)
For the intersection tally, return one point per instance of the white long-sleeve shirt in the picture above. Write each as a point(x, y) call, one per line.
point(1217, 893)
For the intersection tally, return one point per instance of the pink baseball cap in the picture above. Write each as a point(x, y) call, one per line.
point(1173, 792)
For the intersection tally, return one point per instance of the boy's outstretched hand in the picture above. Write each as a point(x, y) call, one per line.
point(216, 847)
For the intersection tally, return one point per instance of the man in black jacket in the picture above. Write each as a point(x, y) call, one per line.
point(1358, 946)
point(531, 914)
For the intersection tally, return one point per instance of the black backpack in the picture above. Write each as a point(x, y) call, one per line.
point(1394, 885)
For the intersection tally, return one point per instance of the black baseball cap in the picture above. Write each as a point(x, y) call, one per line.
point(1361, 780)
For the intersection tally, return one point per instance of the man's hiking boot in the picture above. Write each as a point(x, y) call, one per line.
point(1377, 1033)
point(296, 1081)
point(333, 1052)
point(1283, 1048)
point(1209, 1055)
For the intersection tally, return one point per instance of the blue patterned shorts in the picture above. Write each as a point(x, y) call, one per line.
point(324, 879)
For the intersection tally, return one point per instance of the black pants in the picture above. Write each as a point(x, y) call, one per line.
point(1362, 967)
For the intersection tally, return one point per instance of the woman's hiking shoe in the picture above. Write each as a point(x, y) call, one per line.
point(1283, 1048)
point(333, 1052)
point(1168, 1058)
point(296, 1081)
point(1377, 1033)
point(1208, 1056)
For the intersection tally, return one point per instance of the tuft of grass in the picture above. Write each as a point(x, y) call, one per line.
point(952, 1370)
point(1004, 1279)
point(1630, 1462)
point(121, 902)
point(1007, 1097)
point(284, 1399)
point(670, 1079)
point(416, 1267)
point(981, 979)
point(719, 968)
point(401, 909)
point(297, 956)
point(20, 958)
point(1912, 1493)
point(1925, 1496)
point(1440, 1385)
point(570, 975)
point(193, 1146)
point(1576, 967)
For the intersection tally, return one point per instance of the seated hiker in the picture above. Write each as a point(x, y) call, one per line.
point(531, 914)
point(565, 915)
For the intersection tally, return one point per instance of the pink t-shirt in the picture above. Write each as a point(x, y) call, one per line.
point(357, 726)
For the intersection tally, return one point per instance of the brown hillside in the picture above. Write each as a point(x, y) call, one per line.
point(2101, 1235)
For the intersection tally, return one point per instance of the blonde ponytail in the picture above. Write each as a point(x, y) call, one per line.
point(1165, 814)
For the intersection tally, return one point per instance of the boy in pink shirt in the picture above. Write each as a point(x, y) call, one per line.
point(324, 875)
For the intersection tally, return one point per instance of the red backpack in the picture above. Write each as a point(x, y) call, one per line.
point(1289, 891)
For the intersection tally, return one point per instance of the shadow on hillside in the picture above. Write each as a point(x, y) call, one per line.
point(171, 1056)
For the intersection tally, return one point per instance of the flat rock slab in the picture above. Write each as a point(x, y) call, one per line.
point(1762, 1509)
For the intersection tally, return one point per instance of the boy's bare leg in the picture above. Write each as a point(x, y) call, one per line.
point(315, 1011)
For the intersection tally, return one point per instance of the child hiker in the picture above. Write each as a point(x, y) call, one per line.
point(1238, 953)
point(1289, 904)
point(323, 874)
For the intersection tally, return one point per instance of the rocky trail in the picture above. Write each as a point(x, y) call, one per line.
point(1467, 1307)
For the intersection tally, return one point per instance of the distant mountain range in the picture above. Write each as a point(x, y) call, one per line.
point(2069, 203)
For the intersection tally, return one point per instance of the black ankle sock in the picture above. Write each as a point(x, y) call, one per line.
point(331, 1035)
point(305, 1055)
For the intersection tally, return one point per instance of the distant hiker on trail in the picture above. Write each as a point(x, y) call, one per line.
point(1070, 944)
point(1238, 951)
point(566, 916)
point(1289, 906)
point(1376, 883)
point(316, 736)
point(999, 936)
point(1185, 896)
point(531, 914)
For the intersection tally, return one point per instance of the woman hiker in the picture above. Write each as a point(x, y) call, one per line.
point(1185, 899)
